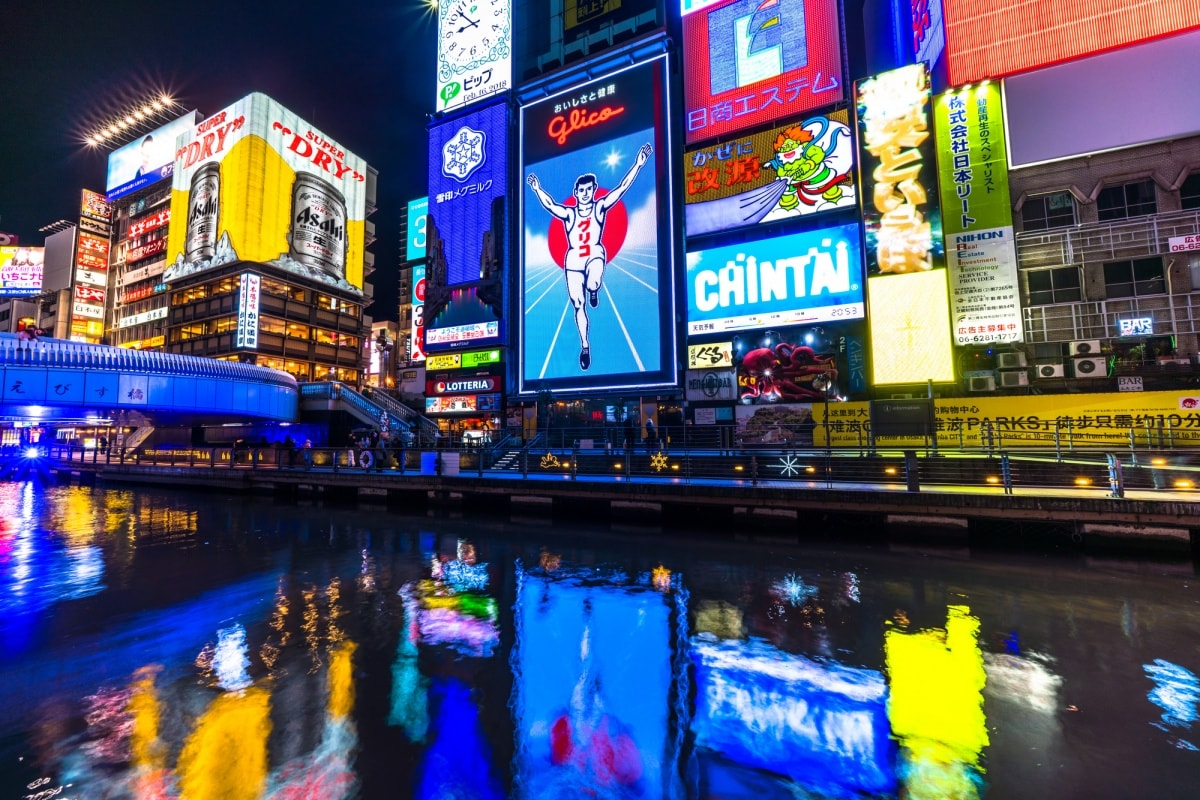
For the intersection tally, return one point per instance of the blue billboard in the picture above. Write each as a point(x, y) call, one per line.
point(596, 243)
point(796, 279)
point(465, 230)
point(146, 160)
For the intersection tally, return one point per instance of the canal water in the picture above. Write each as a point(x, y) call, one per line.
point(161, 645)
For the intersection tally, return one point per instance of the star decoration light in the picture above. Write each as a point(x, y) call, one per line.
point(789, 465)
point(658, 461)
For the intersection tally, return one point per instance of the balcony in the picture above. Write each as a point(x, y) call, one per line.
point(1097, 242)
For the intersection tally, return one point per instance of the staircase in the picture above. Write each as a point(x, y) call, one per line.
point(509, 462)
point(138, 437)
point(424, 428)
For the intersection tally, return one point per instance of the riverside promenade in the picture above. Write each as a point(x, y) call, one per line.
point(1092, 500)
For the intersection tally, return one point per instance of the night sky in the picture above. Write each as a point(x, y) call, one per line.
point(362, 71)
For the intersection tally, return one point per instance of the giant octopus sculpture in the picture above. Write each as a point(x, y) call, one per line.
point(787, 372)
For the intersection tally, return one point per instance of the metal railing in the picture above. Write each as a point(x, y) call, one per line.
point(426, 428)
point(367, 408)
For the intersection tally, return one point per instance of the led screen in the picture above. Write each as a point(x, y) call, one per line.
point(147, 159)
point(981, 253)
point(994, 38)
point(254, 182)
point(801, 364)
point(417, 335)
point(21, 271)
point(822, 724)
point(928, 30)
point(790, 171)
point(465, 230)
point(474, 51)
point(748, 63)
point(418, 211)
point(910, 334)
point(815, 276)
point(597, 298)
point(590, 720)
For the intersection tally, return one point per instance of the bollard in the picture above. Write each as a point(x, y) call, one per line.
point(912, 475)
point(1116, 481)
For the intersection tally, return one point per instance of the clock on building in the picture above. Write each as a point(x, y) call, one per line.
point(474, 50)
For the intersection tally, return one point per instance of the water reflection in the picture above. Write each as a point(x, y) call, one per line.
point(270, 652)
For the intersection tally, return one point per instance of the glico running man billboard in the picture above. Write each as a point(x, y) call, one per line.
point(146, 160)
point(597, 297)
point(257, 183)
point(749, 62)
point(465, 230)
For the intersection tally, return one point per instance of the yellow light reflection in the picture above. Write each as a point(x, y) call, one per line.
point(911, 339)
point(660, 576)
point(225, 758)
point(341, 679)
point(936, 705)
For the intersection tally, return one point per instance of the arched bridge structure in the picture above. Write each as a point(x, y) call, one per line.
point(54, 378)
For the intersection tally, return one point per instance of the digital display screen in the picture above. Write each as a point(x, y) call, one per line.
point(597, 297)
point(791, 171)
point(418, 211)
point(590, 720)
point(474, 49)
point(910, 328)
point(147, 159)
point(995, 38)
point(824, 725)
point(417, 335)
point(748, 63)
point(460, 317)
point(815, 276)
point(254, 182)
point(21, 271)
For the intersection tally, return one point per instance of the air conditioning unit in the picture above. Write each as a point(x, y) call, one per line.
point(981, 383)
point(1010, 360)
point(1010, 379)
point(1056, 370)
point(1088, 347)
point(1095, 367)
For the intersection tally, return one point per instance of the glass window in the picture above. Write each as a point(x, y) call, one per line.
point(1048, 211)
point(323, 336)
point(340, 306)
point(225, 286)
point(297, 331)
point(271, 325)
point(1127, 200)
point(225, 325)
point(1189, 193)
point(281, 289)
point(190, 295)
point(1135, 278)
point(1051, 286)
point(190, 331)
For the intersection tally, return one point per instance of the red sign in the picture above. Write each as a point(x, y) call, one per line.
point(93, 244)
point(995, 38)
point(486, 383)
point(86, 294)
point(147, 224)
point(562, 126)
point(146, 250)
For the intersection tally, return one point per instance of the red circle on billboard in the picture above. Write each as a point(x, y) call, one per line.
point(419, 291)
point(616, 225)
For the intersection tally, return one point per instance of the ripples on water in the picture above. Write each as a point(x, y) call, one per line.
point(194, 646)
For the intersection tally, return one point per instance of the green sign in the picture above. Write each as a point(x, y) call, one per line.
point(972, 160)
point(480, 358)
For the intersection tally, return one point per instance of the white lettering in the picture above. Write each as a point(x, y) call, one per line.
point(741, 281)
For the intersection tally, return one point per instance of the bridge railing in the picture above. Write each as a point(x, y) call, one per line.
point(340, 392)
point(76, 355)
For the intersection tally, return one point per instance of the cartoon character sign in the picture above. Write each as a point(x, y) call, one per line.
point(794, 365)
point(808, 158)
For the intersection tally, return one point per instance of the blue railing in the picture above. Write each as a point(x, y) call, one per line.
point(74, 355)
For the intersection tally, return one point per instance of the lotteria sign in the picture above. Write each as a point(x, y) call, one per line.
point(488, 383)
point(815, 276)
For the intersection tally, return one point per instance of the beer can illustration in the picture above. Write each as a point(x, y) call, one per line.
point(203, 205)
point(318, 231)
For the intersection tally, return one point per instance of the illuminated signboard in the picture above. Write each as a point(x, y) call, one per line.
point(257, 183)
point(815, 276)
point(135, 254)
point(21, 270)
point(144, 317)
point(747, 63)
point(707, 356)
point(92, 277)
point(88, 310)
point(89, 294)
point(794, 170)
point(462, 404)
point(596, 269)
point(248, 294)
point(572, 673)
point(446, 361)
point(146, 160)
point(418, 211)
point(1138, 326)
point(95, 206)
point(474, 51)
point(150, 223)
point(994, 38)
point(487, 384)
point(928, 30)
point(480, 358)
point(822, 724)
point(798, 365)
point(908, 297)
point(465, 230)
point(981, 253)
point(417, 335)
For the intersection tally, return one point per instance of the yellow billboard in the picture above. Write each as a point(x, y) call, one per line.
point(1107, 419)
point(910, 341)
point(254, 182)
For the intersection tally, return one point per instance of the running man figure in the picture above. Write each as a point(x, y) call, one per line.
point(585, 257)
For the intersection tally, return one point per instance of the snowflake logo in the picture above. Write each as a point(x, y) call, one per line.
point(658, 461)
point(463, 154)
point(789, 465)
point(550, 461)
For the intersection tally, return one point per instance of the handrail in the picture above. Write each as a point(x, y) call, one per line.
point(333, 390)
point(426, 425)
point(76, 355)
